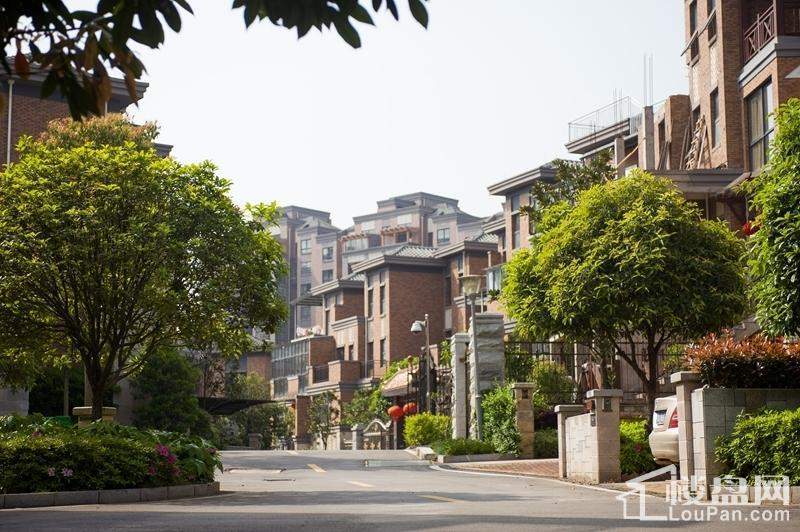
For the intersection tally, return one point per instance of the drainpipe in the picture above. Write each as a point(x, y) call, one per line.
point(8, 126)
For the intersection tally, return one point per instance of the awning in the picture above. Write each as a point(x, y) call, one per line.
point(397, 386)
point(222, 406)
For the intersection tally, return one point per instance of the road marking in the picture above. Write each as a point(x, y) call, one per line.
point(360, 484)
point(441, 499)
point(293, 453)
point(316, 468)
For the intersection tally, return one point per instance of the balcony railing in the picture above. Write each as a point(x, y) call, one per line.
point(319, 374)
point(616, 113)
point(280, 387)
point(759, 33)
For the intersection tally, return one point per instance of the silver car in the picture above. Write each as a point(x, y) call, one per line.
point(664, 438)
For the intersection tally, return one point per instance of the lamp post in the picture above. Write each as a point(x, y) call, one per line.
point(470, 289)
point(417, 327)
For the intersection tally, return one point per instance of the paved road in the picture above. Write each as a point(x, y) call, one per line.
point(333, 490)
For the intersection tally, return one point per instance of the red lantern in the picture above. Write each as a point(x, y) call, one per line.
point(395, 412)
point(749, 229)
point(410, 408)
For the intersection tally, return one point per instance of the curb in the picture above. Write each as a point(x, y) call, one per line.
point(120, 496)
point(476, 458)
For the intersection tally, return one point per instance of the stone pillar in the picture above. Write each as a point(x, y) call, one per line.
point(301, 436)
point(84, 414)
point(647, 150)
point(358, 437)
point(13, 402)
point(685, 383)
point(254, 440)
point(606, 420)
point(486, 361)
point(563, 413)
point(460, 423)
point(523, 398)
point(619, 155)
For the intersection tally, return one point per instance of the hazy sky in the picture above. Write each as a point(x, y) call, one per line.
point(483, 94)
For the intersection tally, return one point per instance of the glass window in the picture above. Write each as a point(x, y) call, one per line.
point(404, 219)
point(305, 288)
point(401, 237)
point(761, 123)
point(327, 276)
point(712, 23)
point(383, 351)
point(305, 246)
point(367, 226)
point(370, 303)
point(382, 276)
point(459, 263)
point(340, 353)
point(716, 123)
point(443, 235)
point(305, 267)
point(382, 296)
point(448, 291)
point(356, 244)
point(692, 17)
point(350, 352)
point(305, 314)
point(515, 202)
point(515, 236)
point(327, 254)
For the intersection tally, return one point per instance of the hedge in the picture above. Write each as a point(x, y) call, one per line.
point(38, 455)
point(767, 443)
point(545, 443)
point(426, 428)
point(635, 456)
point(499, 420)
point(462, 446)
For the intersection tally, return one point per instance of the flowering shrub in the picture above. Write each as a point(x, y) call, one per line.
point(756, 362)
point(37, 456)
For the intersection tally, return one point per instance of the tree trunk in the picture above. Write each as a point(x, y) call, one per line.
point(651, 386)
point(97, 401)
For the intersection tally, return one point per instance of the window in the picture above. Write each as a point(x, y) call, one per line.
point(327, 254)
point(383, 351)
point(695, 117)
point(448, 291)
point(515, 231)
point(327, 321)
point(399, 238)
point(305, 267)
point(382, 276)
point(356, 244)
point(759, 116)
point(368, 226)
point(695, 46)
point(716, 125)
point(494, 279)
point(443, 235)
point(404, 219)
point(350, 352)
point(340, 353)
point(305, 246)
point(430, 239)
point(460, 263)
point(712, 20)
point(370, 303)
point(327, 276)
point(382, 296)
point(305, 288)
point(515, 202)
point(305, 314)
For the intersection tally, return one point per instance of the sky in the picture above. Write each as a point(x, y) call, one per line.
point(481, 95)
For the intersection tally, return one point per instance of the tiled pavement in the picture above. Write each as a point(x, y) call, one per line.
point(546, 467)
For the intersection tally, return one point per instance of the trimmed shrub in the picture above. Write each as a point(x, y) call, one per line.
point(756, 362)
point(426, 428)
point(763, 444)
point(634, 450)
point(499, 424)
point(461, 447)
point(37, 455)
point(545, 443)
point(553, 385)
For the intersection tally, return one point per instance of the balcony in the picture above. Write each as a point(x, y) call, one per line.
point(599, 128)
point(320, 374)
point(759, 33)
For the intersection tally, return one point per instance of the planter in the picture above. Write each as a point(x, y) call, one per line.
point(121, 496)
point(442, 459)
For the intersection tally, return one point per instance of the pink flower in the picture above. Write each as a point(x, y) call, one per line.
point(151, 470)
point(51, 471)
point(638, 447)
point(66, 472)
point(172, 459)
point(161, 449)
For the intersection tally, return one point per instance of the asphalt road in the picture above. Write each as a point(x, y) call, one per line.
point(286, 490)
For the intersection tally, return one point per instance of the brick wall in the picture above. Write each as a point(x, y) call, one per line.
point(30, 116)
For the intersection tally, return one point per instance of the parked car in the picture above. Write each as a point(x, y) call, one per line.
point(664, 438)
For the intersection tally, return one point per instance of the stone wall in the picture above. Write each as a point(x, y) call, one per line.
point(486, 361)
point(13, 401)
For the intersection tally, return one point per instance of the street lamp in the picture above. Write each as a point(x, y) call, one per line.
point(417, 327)
point(471, 289)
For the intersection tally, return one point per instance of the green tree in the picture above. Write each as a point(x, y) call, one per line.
point(631, 262)
point(111, 253)
point(775, 247)
point(166, 391)
point(321, 415)
point(365, 406)
point(270, 420)
point(74, 48)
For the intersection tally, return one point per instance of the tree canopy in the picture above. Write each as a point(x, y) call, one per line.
point(775, 246)
point(75, 48)
point(631, 262)
point(110, 253)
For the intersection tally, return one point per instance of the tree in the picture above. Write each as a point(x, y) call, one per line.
point(572, 178)
point(631, 262)
point(74, 48)
point(775, 246)
point(321, 414)
point(166, 389)
point(111, 253)
point(271, 420)
point(365, 406)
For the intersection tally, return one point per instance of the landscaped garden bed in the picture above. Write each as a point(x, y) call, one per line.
point(39, 455)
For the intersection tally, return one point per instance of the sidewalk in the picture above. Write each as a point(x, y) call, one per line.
point(545, 467)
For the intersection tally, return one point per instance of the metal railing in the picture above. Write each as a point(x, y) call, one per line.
point(320, 374)
point(616, 113)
